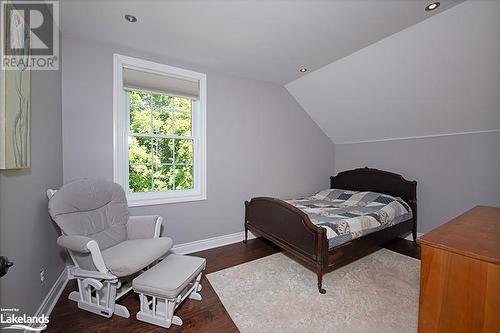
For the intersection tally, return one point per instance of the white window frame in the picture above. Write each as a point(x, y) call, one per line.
point(121, 133)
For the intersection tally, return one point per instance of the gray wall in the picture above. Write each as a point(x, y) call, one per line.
point(454, 173)
point(27, 235)
point(441, 75)
point(260, 141)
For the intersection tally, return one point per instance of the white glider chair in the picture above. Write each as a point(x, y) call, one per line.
point(108, 247)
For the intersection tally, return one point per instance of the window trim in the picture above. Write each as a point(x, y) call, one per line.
point(121, 132)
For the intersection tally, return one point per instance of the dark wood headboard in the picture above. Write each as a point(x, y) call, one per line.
point(366, 179)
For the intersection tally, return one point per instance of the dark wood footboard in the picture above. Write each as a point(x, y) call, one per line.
point(286, 226)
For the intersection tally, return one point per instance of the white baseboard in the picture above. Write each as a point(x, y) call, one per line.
point(54, 293)
point(210, 243)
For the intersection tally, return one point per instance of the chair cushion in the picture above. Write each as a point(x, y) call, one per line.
point(168, 278)
point(131, 256)
point(93, 208)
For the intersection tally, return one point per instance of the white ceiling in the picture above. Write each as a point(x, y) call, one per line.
point(266, 40)
point(440, 76)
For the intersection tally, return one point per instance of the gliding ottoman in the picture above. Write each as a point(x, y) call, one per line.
point(165, 286)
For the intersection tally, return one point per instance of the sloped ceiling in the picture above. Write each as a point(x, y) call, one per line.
point(439, 76)
point(261, 39)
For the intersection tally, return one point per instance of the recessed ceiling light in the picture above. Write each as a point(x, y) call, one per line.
point(130, 18)
point(303, 70)
point(432, 6)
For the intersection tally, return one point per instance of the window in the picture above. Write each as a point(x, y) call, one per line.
point(160, 145)
point(159, 125)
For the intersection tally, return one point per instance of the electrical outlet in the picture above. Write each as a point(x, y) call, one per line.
point(42, 275)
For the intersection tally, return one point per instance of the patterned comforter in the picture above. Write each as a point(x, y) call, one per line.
point(348, 215)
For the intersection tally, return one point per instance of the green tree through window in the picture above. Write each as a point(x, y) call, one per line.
point(160, 143)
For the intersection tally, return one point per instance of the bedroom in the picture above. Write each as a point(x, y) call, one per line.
point(195, 107)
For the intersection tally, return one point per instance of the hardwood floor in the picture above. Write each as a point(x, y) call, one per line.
point(209, 315)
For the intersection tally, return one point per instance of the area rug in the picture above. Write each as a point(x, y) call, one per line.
point(377, 293)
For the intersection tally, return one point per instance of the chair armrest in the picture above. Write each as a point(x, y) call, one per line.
point(76, 271)
point(84, 245)
point(74, 243)
point(140, 227)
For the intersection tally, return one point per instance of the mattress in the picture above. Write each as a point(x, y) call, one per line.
point(348, 215)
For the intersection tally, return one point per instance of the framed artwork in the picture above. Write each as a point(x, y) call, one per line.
point(15, 120)
point(15, 106)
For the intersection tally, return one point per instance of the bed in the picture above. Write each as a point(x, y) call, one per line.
point(364, 208)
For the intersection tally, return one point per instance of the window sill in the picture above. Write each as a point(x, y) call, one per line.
point(150, 199)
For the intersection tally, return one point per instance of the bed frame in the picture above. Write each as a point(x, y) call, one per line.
point(291, 229)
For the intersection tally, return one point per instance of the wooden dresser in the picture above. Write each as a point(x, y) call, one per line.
point(460, 274)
